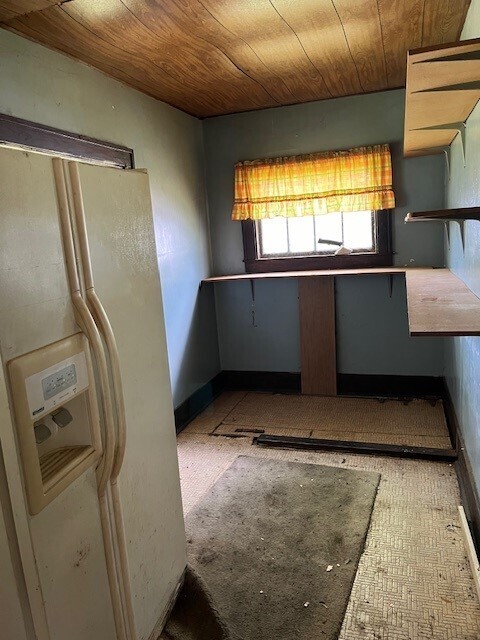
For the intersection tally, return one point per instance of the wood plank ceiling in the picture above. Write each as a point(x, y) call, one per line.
point(212, 57)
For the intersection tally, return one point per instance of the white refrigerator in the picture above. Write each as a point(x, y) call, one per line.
point(92, 543)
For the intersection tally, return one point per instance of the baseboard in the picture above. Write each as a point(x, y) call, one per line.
point(263, 381)
point(390, 386)
point(470, 548)
point(463, 467)
point(198, 401)
point(468, 492)
point(450, 415)
point(347, 383)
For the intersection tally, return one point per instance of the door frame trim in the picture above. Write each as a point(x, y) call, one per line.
point(31, 136)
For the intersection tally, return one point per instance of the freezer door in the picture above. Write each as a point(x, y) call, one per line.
point(125, 271)
point(61, 547)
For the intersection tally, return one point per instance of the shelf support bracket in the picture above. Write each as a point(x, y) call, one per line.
point(447, 232)
point(460, 127)
point(446, 151)
point(461, 226)
point(252, 293)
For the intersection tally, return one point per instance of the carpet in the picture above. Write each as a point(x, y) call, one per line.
point(277, 546)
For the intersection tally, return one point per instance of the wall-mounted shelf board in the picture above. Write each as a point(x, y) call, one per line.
point(308, 274)
point(444, 215)
point(440, 304)
point(442, 89)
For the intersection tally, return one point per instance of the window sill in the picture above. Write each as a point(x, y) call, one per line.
point(352, 261)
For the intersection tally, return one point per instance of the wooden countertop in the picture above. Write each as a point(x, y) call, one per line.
point(440, 304)
point(309, 274)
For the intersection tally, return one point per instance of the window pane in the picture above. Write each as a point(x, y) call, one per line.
point(273, 236)
point(301, 235)
point(357, 230)
point(328, 227)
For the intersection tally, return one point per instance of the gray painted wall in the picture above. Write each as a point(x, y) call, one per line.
point(462, 358)
point(371, 326)
point(49, 88)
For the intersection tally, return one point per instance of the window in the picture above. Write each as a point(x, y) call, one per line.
point(283, 244)
point(285, 237)
point(318, 211)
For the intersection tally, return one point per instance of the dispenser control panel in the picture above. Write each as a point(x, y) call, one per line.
point(59, 381)
point(56, 385)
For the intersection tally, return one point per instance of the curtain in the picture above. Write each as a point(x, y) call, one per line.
point(354, 180)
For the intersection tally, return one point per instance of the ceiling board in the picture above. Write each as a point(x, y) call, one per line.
point(207, 75)
point(319, 30)
point(362, 26)
point(402, 30)
point(210, 57)
point(271, 41)
point(10, 9)
point(443, 21)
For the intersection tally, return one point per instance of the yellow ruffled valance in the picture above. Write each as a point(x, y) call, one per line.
point(355, 180)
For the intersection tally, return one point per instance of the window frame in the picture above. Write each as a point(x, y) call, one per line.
point(383, 257)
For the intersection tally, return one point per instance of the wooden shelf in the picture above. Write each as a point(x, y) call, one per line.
point(440, 304)
point(309, 274)
point(442, 89)
point(444, 215)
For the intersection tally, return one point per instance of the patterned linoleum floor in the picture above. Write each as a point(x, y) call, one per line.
point(413, 580)
point(379, 420)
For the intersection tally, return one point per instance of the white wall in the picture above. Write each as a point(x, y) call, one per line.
point(49, 88)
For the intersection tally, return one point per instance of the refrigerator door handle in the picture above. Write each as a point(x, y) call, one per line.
point(101, 319)
point(88, 326)
point(103, 323)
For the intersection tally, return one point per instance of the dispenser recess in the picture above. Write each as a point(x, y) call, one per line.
point(56, 416)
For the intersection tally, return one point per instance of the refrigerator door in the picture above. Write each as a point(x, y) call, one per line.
point(125, 271)
point(62, 546)
point(13, 599)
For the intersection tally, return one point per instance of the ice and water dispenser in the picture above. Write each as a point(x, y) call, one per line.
point(57, 418)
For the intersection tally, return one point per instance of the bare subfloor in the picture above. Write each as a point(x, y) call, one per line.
point(413, 580)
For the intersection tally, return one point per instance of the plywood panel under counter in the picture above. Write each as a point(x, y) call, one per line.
point(317, 335)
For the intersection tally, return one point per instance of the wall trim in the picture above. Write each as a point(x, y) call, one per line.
point(23, 134)
point(468, 492)
point(390, 385)
point(347, 383)
point(279, 381)
point(198, 401)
